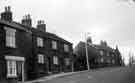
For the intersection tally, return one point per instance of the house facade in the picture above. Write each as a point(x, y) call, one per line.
point(99, 55)
point(27, 52)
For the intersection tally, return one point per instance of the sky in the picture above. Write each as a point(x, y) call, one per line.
point(110, 20)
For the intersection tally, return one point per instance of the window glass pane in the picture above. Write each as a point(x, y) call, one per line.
point(41, 58)
point(67, 62)
point(11, 68)
point(66, 48)
point(101, 53)
point(55, 60)
point(54, 44)
point(39, 42)
point(10, 37)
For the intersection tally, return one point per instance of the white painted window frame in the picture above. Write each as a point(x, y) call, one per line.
point(40, 42)
point(10, 37)
point(54, 45)
point(11, 68)
point(11, 64)
point(101, 52)
point(41, 58)
point(55, 60)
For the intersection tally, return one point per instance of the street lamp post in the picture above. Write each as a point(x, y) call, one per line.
point(87, 58)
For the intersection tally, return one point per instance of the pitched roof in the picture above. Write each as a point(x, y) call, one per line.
point(34, 30)
point(13, 24)
point(80, 50)
point(92, 49)
point(107, 48)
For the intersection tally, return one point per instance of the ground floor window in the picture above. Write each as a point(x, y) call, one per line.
point(15, 67)
point(67, 61)
point(41, 58)
point(102, 60)
point(55, 60)
point(113, 61)
point(11, 68)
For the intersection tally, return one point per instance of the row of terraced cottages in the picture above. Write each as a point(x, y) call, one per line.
point(27, 52)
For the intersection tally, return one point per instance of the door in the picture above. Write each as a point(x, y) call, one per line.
point(20, 70)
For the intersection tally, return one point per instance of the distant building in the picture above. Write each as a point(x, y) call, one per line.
point(27, 52)
point(99, 55)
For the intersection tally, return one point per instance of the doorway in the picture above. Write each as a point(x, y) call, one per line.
point(20, 70)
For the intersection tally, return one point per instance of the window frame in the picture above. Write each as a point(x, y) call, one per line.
point(66, 47)
point(102, 60)
point(67, 61)
point(40, 42)
point(55, 60)
point(41, 59)
point(54, 44)
point(11, 68)
point(10, 35)
point(101, 52)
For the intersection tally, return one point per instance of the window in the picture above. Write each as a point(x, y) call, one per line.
point(54, 44)
point(102, 60)
point(66, 48)
point(41, 58)
point(113, 61)
point(112, 55)
point(108, 61)
point(12, 65)
point(39, 42)
point(55, 60)
point(101, 53)
point(10, 37)
point(11, 68)
point(108, 54)
point(67, 61)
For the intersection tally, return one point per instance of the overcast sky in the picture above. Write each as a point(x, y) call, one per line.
point(110, 20)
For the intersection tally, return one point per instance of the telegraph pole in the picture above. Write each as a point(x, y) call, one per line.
point(86, 48)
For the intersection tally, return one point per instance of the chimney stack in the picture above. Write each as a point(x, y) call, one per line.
point(41, 26)
point(27, 20)
point(7, 14)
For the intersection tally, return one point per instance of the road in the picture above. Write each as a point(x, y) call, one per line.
point(110, 75)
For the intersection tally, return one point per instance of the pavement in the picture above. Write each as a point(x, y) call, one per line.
point(54, 76)
point(103, 75)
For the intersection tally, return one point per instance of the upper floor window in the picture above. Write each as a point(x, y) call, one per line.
point(108, 54)
point(10, 37)
point(41, 58)
point(66, 48)
point(55, 60)
point(39, 42)
point(101, 53)
point(112, 55)
point(54, 45)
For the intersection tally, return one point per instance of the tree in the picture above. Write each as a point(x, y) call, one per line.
point(131, 59)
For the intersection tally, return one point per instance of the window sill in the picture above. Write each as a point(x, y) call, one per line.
point(11, 76)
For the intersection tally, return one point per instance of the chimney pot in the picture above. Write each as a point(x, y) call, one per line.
point(8, 8)
point(27, 20)
point(41, 25)
point(7, 14)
